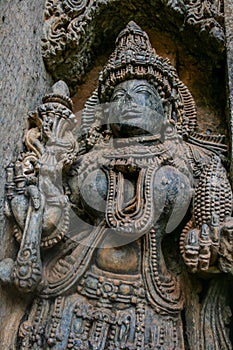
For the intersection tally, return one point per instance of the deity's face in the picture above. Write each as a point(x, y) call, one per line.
point(135, 109)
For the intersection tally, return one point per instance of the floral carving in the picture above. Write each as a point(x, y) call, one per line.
point(68, 25)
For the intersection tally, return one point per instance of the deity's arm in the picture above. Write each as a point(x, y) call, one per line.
point(206, 241)
point(37, 202)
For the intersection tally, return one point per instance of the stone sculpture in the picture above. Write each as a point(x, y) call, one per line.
point(93, 216)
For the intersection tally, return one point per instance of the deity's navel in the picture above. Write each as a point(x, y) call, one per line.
point(124, 259)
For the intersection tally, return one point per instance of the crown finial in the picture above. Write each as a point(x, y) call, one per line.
point(60, 94)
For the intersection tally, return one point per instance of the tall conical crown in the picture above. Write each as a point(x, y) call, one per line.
point(134, 58)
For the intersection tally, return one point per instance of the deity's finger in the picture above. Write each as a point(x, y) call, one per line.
point(214, 228)
point(205, 244)
point(192, 249)
point(35, 196)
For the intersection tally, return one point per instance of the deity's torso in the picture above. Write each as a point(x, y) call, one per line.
point(114, 281)
point(131, 187)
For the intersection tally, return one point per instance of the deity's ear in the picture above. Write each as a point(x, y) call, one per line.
point(105, 110)
point(88, 115)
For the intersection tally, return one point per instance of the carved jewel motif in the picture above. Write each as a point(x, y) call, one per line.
point(137, 215)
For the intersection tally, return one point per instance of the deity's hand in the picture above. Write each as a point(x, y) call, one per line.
point(33, 193)
point(21, 190)
point(209, 248)
point(44, 192)
point(26, 204)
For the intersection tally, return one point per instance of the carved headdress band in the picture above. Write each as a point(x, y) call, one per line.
point(134, 58)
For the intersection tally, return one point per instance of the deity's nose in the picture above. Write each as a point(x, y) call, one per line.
point(128, 97)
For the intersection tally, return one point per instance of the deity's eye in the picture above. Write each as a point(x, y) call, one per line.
point(115, 98)
point(117, 95)
point(144, 92)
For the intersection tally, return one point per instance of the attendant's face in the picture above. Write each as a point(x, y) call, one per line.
point(135, 109)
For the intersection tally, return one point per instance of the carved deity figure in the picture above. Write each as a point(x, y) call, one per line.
point(111, 223)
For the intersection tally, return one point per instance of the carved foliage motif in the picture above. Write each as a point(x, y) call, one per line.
point(69, 23)
point(208, 15)
point(66, 27)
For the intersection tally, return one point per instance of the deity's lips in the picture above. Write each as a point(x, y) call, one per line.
point(131, 114)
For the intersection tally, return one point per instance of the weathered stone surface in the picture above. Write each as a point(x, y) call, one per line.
point(23, 77)
point(23, 80)
point(228, 6)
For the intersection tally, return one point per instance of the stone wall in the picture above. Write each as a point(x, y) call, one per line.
point(228, 6)
point(22, 75)
point(23, 81)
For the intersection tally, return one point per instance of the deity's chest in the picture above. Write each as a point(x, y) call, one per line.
point(131, 190)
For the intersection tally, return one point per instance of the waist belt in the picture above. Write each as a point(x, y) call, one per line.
point(109, 288)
